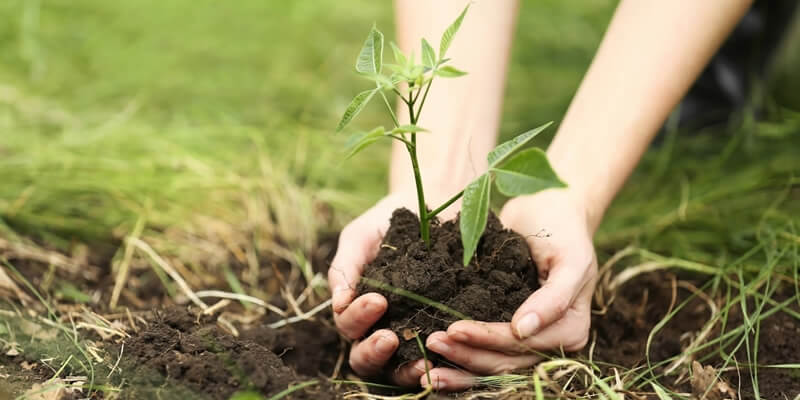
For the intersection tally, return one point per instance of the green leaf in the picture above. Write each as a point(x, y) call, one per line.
point(502, 151)
point(355, 107)
point(428, 54)
point(383, 81)
point(399, 57)
point(361, 140)
point(474, 213)
point(447, 36)
point(408, 129)
point(526, 173)
point(396, 68)
point(449, 72)
point(660, 392)
point(370, 59)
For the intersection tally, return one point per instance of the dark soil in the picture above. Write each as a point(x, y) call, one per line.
point(182, 356)
point(311, 348)
point(497, 281)
point(622, 335)
point(179, 355)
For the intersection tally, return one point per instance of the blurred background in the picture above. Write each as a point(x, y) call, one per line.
point(212, 123)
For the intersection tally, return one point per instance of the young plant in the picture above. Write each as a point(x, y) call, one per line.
point(515, 173)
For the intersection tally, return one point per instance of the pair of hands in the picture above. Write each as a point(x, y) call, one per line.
point(556, 316)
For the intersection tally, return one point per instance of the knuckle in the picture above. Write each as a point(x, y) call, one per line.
point(348, 326)
point(560, 307)
point(467, 359)
point(362, 361)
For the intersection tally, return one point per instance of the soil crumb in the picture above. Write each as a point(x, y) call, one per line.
point(181, 356)
point(495, 283)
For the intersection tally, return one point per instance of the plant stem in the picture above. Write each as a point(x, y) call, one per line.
point(424, 221)
point(445, 205)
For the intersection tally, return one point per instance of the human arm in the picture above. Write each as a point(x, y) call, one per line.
point(649, 57)
point(463, 117)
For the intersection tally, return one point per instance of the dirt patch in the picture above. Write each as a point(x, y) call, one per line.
point(18, 375)
point(497, 281)
point(180, 355)
point(311, 348)
point(622, 333)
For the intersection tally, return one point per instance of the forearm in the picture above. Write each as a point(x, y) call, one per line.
point(463, 114)
point(651, 54)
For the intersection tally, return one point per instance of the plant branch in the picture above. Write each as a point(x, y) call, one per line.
point(402, 139)
point(424, 96)
point(417, 98)
point(391, 111)
point(400, 95)
point(445, 205)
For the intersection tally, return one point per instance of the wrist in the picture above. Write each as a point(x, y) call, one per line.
point(587, 188)
point(563, 203)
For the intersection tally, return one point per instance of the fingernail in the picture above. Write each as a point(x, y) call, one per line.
point(439, 385)
point(439, 346)
point(527, 326)
point(384, 345)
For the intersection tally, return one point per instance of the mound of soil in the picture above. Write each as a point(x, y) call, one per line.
point(495, 283)
point(181, 356)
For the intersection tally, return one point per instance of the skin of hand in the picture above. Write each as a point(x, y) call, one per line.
point(556, 316)
point(359, 242)
point(649, 57)
point(560, 242)
point(464, 113)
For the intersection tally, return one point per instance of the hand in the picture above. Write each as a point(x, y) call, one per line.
point(556, 316)
point(359, 243)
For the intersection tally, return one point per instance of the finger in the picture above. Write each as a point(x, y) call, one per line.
point(479, 360)
point(550, 303)
point(409, 373)
point(449, 379)
point(570, 334)
point(357, 318)
point(370, 355)
point(357, 246)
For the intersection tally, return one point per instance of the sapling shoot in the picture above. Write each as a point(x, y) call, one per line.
point(514, 172)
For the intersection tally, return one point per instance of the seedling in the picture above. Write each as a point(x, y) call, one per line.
point(515, 173)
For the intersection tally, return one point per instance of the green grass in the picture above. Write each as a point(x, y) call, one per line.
point(111, 108)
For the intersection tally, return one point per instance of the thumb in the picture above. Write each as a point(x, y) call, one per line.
point(551, 302)
point(357, 246)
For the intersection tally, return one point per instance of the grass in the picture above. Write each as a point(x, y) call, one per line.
point(205, 132)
